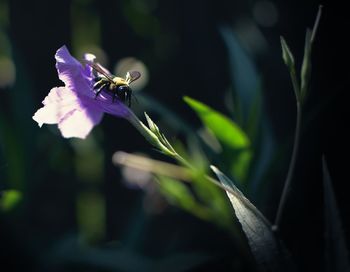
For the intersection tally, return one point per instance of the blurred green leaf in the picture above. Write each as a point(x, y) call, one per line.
point(236, 145)
point(91, 215)
point(248, 109)
point(9, 199)
point(244, 76)
point(227, 131)
point(336, 252)
point(214, 198)
point(267, 250)
point(85, 27)
point(13, 153)
point(186, 187)
point(200, 198)
point(89, 159)
point(179, 194)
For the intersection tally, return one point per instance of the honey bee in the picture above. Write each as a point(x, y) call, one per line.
point(117, 86)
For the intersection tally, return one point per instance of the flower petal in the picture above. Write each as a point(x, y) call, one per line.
point(72, 73)
point(59, 102)
point(75, 107)
point(88, 70)
point(59, 94)
point(116, 108)
point(79, 123)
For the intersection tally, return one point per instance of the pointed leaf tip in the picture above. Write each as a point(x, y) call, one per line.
point(268, 251)
point(287, 55)
point(224, 129)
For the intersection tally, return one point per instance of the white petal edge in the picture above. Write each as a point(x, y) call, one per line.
point(59, 102)
point(79, 123)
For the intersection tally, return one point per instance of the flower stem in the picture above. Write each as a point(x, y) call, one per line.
point(287, 183)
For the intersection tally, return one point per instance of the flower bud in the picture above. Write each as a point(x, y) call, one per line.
point(287, 55)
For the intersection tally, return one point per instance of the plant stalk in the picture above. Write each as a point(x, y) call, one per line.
point(287, 183)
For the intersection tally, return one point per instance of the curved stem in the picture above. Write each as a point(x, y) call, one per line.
point(289, 177)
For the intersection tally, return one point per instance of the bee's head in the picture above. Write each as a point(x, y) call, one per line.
point(124, 93)
point(124, 88)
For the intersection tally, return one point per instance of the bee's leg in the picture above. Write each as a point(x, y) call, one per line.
point(99, 90)
point(98, 84)
point(98, 78)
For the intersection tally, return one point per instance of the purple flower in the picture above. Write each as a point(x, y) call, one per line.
point(75, 107)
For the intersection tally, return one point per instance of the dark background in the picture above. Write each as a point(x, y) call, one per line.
point(185, 54)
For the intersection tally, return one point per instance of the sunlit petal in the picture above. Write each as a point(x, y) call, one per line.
point(79, 123)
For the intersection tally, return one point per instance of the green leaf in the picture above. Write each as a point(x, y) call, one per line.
point(200, 198)
point(336, 251)
point(268, 251)
point(236, 145)
point(248, 112)
point(306, 66)
point(244, 77)
point(226, 131)
point(289, 61)
point(287, 55)
point(153, 134)
point(9, 199)
point(91, 216)
point(180, 195)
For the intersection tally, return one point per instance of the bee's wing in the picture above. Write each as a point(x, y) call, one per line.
point(132, 76)
point(98, 68)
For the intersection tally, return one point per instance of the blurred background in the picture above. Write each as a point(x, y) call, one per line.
point(66, 207)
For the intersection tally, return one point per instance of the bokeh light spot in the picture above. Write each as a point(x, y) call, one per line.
point(132, 64)
point(7, 72)
point(265, 13)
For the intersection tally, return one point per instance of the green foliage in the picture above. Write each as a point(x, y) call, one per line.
point(153, 135)
point(236, 145)
point(199, 197)
point(245, 79)
point(91, 216)
point(227, 131)
point(9, 199)
point(301, 89)
point(266, 248)
point(287, 55)
point(179, 194)
point(12, 152)
point(248, 109)
point(288, 59)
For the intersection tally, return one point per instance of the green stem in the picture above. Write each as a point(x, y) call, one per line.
point(295, 83)
point(287, 184)
point(148, 134)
